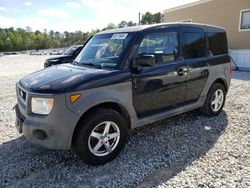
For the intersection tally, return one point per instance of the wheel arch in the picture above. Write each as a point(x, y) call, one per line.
point(111, 105)
point(221, 81)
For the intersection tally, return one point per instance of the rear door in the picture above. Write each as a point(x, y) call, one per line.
point(195, 54)
point(160, 87)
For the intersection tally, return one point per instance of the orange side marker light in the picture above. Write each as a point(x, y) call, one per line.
point(74, 98)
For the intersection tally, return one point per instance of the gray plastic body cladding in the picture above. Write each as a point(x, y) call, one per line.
point(58, 124)
point(120, 94)
point(221, 71)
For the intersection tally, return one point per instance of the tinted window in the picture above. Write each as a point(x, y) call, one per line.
point(70, 51)
point(163, 45)
point(245, 20)
point(217, 43)
point(194, 45)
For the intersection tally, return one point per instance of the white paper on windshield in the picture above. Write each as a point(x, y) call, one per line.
point(120, 36)
point(159, 52)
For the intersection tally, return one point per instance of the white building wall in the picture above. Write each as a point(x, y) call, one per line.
point(241, 58)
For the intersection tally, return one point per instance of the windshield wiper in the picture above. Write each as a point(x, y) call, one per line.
point(93, 65)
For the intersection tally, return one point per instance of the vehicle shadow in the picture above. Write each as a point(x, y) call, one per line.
point(153, 154)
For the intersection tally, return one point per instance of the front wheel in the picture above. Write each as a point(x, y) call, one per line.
point(101, 136)
point(215, 100)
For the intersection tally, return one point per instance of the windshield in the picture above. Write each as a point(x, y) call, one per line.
point(104, 50)
point(70, 50)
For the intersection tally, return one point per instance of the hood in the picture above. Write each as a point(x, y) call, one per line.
point(58, 57)
point(63, 78)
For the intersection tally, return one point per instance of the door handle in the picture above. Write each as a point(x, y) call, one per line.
point(182, 71)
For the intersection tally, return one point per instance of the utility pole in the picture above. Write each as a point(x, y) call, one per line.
point(139, 23)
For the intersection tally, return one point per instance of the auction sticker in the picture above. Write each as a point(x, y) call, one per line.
point(119, 36)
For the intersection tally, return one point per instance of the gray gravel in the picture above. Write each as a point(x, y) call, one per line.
point(189, 150)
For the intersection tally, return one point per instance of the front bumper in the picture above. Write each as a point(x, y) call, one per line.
point(53, 131)
point(19, 119)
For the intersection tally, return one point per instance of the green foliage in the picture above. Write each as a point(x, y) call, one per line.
point(24, 39)
point(149, 18)
point(157, 17)
point(122, 24)
point(126, 24)
point(109, 26)
point(19, 39)
point(130, 23)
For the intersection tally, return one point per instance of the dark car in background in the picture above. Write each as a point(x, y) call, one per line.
point(67, 57)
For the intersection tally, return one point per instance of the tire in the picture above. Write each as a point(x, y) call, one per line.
point(210, 109)
point(91, 135)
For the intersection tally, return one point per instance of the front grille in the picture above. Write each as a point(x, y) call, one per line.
point(22, 94)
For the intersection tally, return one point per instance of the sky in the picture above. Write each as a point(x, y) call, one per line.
point(83, 15)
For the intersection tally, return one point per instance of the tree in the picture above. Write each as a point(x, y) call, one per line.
point(147, 18)
point(122, 24)
point(12, 39)
point(28, 29)
point(109, 26)
point(157, 17)
point(8, 44)
point(130, 23)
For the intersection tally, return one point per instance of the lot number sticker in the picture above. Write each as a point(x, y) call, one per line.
point(120, 36)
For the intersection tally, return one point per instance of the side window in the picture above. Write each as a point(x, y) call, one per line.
point(245, 20)
point(217, 43)
point(194, 45)
point(163, 45)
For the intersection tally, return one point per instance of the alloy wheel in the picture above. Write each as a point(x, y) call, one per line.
point(217, 100)
point(104, 138)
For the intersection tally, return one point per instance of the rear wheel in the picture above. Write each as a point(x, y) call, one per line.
point(100, 137)
point(215, 100)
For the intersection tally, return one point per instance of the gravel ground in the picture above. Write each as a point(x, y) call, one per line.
point(189, 150)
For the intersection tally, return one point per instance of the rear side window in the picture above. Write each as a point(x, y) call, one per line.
point(163, 45)
point(217, 43)
point(194, 45)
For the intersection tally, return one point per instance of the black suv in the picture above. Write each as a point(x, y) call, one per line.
point(123, 79)
point(67, 57)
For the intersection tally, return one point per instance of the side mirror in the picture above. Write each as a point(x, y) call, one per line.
point(144, 61)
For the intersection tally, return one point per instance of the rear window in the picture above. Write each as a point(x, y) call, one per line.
point(217, 43)
point(194, 45)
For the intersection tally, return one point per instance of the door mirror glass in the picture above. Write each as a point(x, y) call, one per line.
point(144, 61)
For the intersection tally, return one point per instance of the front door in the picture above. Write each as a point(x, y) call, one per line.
point(160, 87)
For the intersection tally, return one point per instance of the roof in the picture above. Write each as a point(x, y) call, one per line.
point(186, 5)
point(125, 29)
point(152, 26)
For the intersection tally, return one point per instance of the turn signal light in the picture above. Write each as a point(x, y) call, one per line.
point(74, 98)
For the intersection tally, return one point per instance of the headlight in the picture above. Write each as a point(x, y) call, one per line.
point(41, 106)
